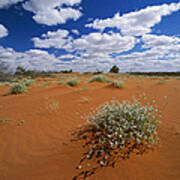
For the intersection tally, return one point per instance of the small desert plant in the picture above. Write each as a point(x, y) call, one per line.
point(51, 104)
point(60, 82)
point(16, 80)
point(2, 84)
point(19, 123)
point(73, 82)
point(5, 120)
point(84, 88)
point(154, 77)
point(99, 78)
point(116, 130)
point(18, 88)
point(27, 82)
point(84, 99)
point(161, 82)
point(49, 82)
point(42, 85)
point(118, 84)
point(47, 79)
point(87, 73)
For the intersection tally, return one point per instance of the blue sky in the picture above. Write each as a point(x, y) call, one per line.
point(86, 35)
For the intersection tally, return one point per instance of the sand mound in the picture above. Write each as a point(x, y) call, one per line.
point(39, 149)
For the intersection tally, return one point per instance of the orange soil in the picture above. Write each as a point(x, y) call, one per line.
point(39, 149)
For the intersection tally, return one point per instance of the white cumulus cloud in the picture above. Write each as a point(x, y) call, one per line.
point(90, 45)
point(139, 22)
point(6, 3)
point(51, 12)
point(57, 39)
point(151, 40)
point(3, 31)
point(104, 43)
point(75, 31)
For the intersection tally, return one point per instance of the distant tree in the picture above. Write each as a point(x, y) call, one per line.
point(20, 71)
point(114, 69)
point(98, 72)
point(66, 71)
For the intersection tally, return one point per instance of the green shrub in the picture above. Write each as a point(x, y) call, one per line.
point(87, 73)
point(27, 82)
point(5, 120)
point(60, 82)
point(118, 84)
point(47, 79)
point(115, 131)
point(16, 80)
point(99, 78)
point(73, 82)
point(154, 77)
point(18, 88)
point(161, 82)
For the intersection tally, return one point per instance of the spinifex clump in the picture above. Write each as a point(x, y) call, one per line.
point(115, 131)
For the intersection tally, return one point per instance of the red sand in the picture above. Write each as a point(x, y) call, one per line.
point(38, 150)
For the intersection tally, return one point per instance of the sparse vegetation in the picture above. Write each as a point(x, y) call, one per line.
point(115, 131)
point(73, 82)
point(161, 82)
point(84, 99)
point(20, 71)
point(97, 72)
point(66, 71)
point(87, 73)
point(19, 123)
point(47, 79)
point(49, 83)
point(60, 82)
point(84, 88)
point(4, 120)
point(99, 78)
point(18, 88)
point(51, 104)
point(154, 77)
point(28, 82)
point(42, 85)
point(118, 84)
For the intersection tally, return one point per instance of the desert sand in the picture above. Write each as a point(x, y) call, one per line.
point(40, 148)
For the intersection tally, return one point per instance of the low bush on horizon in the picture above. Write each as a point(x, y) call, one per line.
point(114, 131)
point(87, 73)
point(73, 82)
point(99, 78)
point(18, 88)
point(118, 84)
point(66, 71)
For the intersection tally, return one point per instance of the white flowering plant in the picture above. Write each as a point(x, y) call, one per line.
point(114, 131)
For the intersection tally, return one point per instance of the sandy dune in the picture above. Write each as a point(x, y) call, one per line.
point(39, 149)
